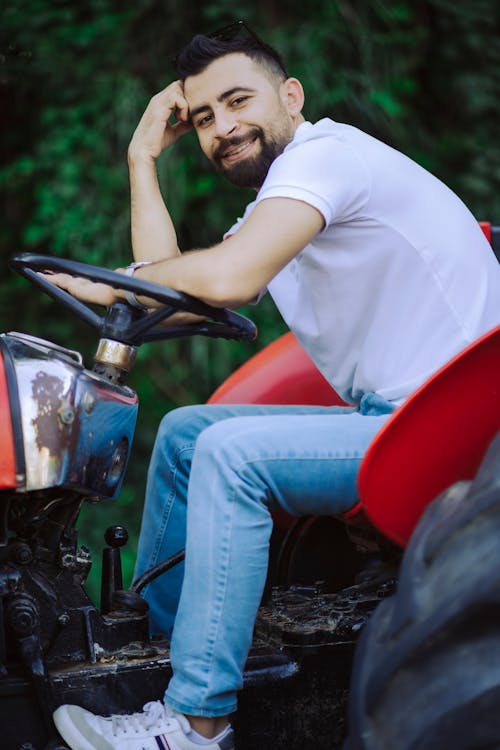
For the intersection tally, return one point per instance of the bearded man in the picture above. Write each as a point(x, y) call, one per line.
point(383, 275)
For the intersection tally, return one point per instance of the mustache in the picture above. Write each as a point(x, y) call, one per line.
point(226, 143)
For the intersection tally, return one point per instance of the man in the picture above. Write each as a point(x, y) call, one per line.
point(382, 273)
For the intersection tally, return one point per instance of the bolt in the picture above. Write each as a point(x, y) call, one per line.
point(22, 554)
point(67, 414)
point(23, 615)
point(68, 560)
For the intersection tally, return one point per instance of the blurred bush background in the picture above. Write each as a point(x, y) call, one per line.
point(74, 80)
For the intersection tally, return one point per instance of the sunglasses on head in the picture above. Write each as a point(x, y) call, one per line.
point(234, 29)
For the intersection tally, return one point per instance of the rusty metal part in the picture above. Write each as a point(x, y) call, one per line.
point(307, 618)
point(114, 353)
point(62, 410)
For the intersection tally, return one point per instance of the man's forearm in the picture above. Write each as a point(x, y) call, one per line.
point(235, 271)
point(153, 233)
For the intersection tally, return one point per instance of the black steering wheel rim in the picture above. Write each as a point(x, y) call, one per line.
point(221, 322)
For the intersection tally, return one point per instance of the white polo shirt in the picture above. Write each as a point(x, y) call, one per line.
point(400, 279)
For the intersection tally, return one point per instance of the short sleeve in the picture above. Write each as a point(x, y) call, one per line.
point(323, 172)
point(239, 222)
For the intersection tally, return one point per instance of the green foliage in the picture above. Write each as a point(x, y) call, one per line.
point(75, 78)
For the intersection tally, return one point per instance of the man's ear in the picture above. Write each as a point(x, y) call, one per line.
point(292, 95)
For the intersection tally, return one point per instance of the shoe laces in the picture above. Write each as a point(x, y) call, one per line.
point(153, 714)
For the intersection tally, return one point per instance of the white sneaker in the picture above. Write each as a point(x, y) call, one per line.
point(156, 728)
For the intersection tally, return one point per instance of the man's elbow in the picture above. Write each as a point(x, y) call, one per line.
point(227, 292)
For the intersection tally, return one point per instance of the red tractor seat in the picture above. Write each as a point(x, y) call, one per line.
point(438, 437)
point(282, 373)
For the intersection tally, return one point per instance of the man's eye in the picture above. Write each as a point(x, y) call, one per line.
point(203, 121)
point(239, 100)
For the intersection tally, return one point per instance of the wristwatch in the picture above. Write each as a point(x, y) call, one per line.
point(130, 296)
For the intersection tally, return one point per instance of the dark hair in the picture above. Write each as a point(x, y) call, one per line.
point(203, 50)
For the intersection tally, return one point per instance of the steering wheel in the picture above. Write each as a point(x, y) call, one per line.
point(124, 323)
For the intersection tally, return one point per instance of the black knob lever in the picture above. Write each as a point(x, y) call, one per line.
point(112, 580)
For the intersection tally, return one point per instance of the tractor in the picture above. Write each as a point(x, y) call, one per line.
point(376, 630)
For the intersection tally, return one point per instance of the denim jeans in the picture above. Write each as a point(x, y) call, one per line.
point(216, 474)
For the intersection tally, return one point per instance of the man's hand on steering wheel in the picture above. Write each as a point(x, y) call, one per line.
point(95, 292)
point(86, 290)
point(75, 285)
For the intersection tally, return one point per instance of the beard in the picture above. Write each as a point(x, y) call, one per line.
point(252, 171)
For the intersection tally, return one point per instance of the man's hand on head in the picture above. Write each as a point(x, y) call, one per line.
point(165, 119)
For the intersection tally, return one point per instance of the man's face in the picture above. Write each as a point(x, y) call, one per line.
point(241, 118)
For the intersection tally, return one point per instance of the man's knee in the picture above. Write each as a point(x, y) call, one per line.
point(226, 442)
point(182, 425)
point(176, 419)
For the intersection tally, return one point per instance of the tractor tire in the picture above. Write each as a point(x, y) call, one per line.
point(427, 667)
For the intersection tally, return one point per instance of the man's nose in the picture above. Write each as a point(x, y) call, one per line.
point(225, 125)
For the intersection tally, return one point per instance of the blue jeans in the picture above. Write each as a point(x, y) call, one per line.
point(216, 474)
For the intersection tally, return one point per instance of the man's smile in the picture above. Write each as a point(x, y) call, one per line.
point(244, 159)
point(233, 152)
